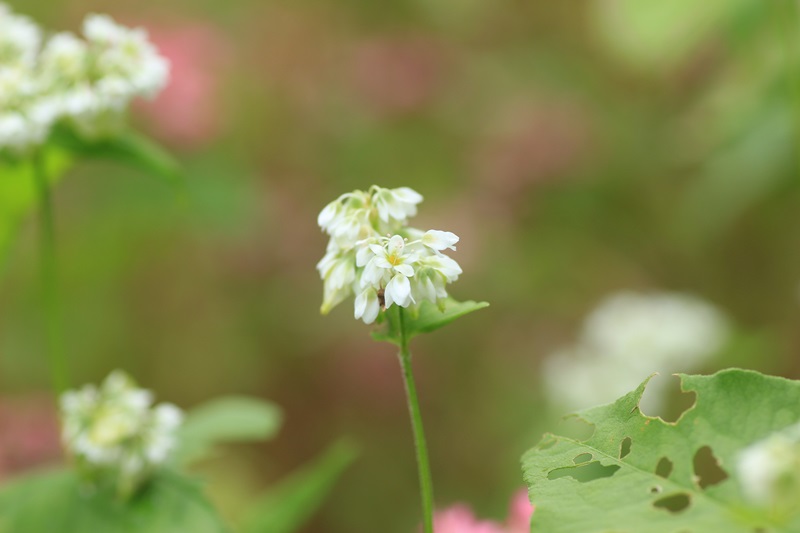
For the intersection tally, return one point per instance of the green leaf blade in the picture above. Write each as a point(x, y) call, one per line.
point(57, 500)
point(233, 418)
point(724, 418)
point(288, 506)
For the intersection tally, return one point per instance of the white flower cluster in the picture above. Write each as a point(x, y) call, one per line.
point(628, 337)
point(115, 428)
point(373, 254)
point(769, 470)
point(87, 82)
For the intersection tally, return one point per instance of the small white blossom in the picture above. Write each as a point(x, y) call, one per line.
point(87, 82)
point(769, 470)
point(628, 337)
point(115, 428)
point(20, 38)
point(373, 255)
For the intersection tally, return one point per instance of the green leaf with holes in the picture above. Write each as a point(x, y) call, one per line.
point(638, 473)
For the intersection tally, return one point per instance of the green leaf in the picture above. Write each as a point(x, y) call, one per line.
point(129, 147)
point(429, 318)
point(18, 193)
point(287, 507)
point(58, 501)
point(227, 419)
point(662, 34)
point(618, 480)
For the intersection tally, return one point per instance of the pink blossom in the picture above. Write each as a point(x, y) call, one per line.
point(520, 513)
point(187, 112)
point(459, 519)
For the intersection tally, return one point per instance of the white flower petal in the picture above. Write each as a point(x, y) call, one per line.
point(439, 240)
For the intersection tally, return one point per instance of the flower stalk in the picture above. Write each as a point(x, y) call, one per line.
point(423, 466)
point(51, 300)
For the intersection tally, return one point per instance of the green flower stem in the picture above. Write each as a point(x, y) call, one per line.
point(50, 294)
point(425, 481)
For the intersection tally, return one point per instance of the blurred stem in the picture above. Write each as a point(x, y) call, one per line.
point(788, 16)
point(49, 281)
point(425, 481)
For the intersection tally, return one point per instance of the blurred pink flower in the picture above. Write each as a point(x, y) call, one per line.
point(396, 75)
point(460, 519)
point(520, 513)
point(531, 142)
point(187, 112)
point(29, 434)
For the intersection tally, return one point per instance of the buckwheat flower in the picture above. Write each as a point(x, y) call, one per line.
point(439, 240)
point(398, 204)
point(114, 432)
point(25, 117)
point(96, 78)
point(769, 470)
point(373, 255)
point(628, 337)
point(338, 272)
point(20, 38)
point(389, 268)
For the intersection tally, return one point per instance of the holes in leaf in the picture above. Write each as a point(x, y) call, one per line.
point(582, 458)
point(575, 428)
point(663, 398)
point(585, 472)
point(674, 503)
point(625, 447)
point(707, 470)
point(664, 467)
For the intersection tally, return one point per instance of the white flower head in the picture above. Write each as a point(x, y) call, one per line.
point(115, 429)
point(375, 256)
point(769, 470)
point(20, 38)
point(628, 337)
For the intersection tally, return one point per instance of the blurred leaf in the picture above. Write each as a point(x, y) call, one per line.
point(59, 501)
point(18, 193)
point(740, 176)
point(226, 419)
point(619, 478)
point(130, 148)
point(429, 318)
point(288, 506)
point(659, 35)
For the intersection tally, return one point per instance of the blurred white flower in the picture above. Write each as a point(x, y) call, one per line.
point(90, 82)
point(20, 38)
point(769, 470)
point(374, 255)
point(116, 429)
point(628, 337)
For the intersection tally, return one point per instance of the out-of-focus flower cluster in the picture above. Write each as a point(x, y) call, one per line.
point(373, 254)
point(115, 431)
point(460, 518)
point(628, 337)
point(87, 82)
point(769, 470)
